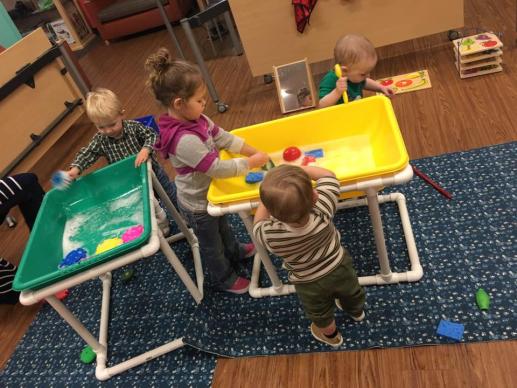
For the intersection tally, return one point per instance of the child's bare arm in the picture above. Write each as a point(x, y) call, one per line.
point(142, 156)
point(330, 99)
point(256, 158)
point(336, 93)
point(248, 150)
point(316, 173)
point(261, 214)
point(375, 86)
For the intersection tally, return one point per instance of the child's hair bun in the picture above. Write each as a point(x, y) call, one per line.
point(159, 62)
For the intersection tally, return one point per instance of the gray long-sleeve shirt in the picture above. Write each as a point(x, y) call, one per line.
point(193, 150)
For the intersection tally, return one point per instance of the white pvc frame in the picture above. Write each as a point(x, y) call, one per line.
point(156, 242)
point(372, 199)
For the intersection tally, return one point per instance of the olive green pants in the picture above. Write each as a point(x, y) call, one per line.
point(318, 297)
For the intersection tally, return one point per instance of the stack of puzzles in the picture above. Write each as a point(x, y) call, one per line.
point(478, 54)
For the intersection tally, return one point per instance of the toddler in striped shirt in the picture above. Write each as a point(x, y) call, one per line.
point(294, 221)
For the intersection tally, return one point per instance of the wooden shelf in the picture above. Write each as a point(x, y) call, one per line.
point(75, 21)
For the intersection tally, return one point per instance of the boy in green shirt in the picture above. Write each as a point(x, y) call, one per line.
point(357, 57)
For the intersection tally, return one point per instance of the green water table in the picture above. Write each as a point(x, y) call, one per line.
point(95, 208)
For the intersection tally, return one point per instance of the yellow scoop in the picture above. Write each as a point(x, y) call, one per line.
point(339, 74)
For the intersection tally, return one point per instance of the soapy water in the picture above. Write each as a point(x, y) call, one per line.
point(343, 156)
point(106, 220)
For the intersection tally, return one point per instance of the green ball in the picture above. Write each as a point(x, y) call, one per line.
point(88, 355)
point(127, 275)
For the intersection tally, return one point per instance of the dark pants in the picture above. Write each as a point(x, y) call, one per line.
point(168, 185)
point(218, 246)
point(21, 190)
point(28, 197)
point(318, 297)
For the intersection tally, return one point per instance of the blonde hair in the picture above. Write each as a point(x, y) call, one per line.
point(351, 49)
point(287, 193)
point(102, 104)
point(169, 79)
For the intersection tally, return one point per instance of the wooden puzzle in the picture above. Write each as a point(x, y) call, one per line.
point(478, 54)
point(410, 82)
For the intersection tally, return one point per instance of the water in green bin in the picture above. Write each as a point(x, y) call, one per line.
point(111, 219)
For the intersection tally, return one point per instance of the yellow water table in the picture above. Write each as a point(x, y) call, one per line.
point(362, 144)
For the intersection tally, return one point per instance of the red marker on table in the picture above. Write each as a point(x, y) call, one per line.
point(435, 185)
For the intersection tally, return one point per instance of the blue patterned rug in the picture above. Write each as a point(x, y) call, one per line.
point(463, 244)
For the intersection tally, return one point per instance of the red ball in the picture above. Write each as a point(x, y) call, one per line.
point(291, 154)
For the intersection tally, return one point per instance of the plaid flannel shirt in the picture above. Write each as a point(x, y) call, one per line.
point(134, 137)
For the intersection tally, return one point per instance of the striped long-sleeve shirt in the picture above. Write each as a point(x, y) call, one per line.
point(134, 137)
point(7, 272)
point(8, 188)
point(314, 250)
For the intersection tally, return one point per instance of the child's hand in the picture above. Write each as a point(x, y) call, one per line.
point(142, 156)
point(73, 173)
point(341, 85)
point(387, 91)
point(61, 180)
point(257, 160)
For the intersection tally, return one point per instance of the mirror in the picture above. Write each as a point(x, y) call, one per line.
point(294, 86)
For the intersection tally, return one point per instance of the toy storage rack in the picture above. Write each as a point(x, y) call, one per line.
point(372, 200)
point(156, 242)
point(479, 60)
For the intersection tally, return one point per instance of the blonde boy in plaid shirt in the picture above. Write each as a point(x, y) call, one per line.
point(118, 139)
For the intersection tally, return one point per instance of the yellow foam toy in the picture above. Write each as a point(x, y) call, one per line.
point(108, 244)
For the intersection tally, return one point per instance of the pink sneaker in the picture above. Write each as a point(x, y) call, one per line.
point(249, 250)
point(240, 286)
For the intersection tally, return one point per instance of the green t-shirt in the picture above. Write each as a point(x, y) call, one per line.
point(328, 84)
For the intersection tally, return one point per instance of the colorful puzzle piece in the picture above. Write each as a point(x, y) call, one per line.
point(410, 82)
point(450, 329)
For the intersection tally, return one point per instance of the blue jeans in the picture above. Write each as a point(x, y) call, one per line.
point(218, 246)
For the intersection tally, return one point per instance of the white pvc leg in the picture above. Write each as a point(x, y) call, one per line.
point(261, 251)
point(180, 270)
point(103, 329)
point(75, 323)
point(191, 238)
point(416, 272)
point(380, 243)
point(385, 277)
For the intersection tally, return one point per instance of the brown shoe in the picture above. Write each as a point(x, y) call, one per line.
point(318, 334)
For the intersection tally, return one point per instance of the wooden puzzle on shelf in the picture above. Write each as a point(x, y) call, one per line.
point(478, 54)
